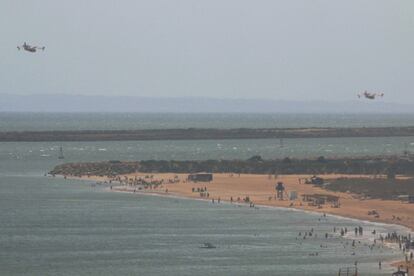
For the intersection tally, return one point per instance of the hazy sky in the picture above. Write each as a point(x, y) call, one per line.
point(306, 49)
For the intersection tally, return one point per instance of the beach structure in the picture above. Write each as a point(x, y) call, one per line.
point(200, 177)
point(407, 198)
point(348, 271)
point(293, 195)
point(315, 180)
point(400, 273)
point(280, 189)
point(321, 199)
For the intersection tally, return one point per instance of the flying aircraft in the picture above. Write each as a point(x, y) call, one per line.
point(370, 96)
point(29, 48)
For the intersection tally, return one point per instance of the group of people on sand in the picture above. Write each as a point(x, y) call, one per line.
point(203, 191)
point(218, 200)
point(405, 242)
point(147, 181)
point(142, 182)
point(246, 200)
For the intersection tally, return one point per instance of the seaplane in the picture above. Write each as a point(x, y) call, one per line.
point(29, 48)
point(370, 96)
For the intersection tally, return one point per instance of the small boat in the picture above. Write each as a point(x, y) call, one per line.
point(207, 245)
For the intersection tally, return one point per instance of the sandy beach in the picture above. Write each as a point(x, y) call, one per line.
point(261, 191)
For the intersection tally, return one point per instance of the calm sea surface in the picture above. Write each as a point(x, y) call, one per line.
point(51, 226)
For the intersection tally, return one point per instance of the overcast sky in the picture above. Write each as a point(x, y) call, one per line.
point(307, 49)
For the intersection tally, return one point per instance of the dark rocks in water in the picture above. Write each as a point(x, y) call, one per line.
point(321, 159)
point(255, 158)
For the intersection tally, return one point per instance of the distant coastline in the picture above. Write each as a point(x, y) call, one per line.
point(203, 134)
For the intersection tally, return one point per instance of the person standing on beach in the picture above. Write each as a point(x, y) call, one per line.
point(379, 265)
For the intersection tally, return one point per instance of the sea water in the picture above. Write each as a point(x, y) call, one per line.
point(52, 226)
point(12, 121)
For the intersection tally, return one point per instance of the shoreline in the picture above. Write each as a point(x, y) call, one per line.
point(391, 263)
point(204, 134)
point(118, 189)
point(352, 207)
point(179, 190)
